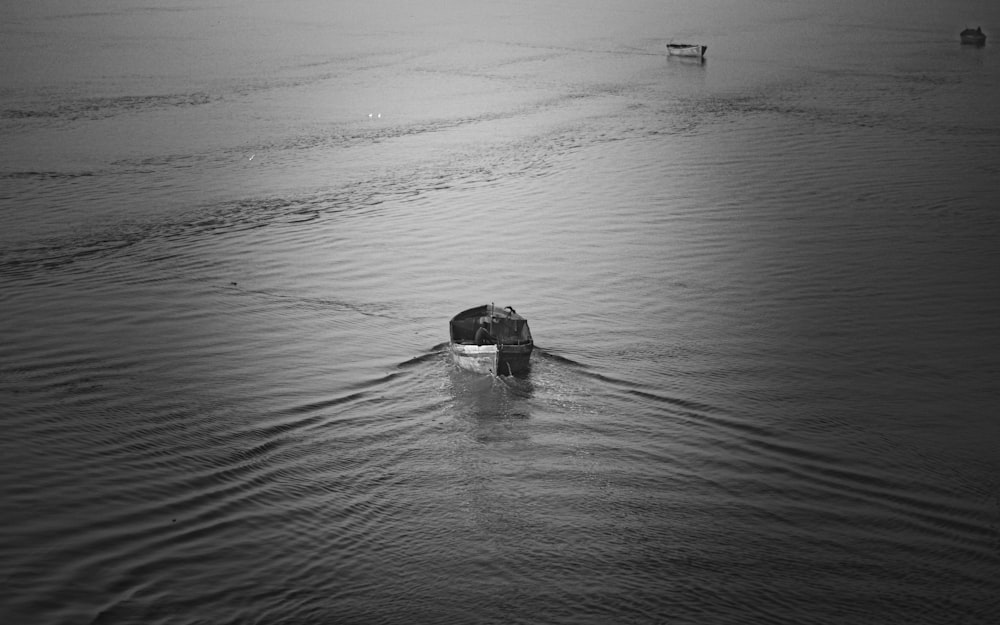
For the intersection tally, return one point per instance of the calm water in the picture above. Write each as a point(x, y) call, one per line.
point(763, 289)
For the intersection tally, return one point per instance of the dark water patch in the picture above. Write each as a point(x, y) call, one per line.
point(58, 254)
point(28, 114)
point(83, 109)
point(153, 164)
point(46, 175)
point(74, 15)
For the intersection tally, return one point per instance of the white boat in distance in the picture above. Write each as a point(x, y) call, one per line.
point(686, 49)
point(487, 340)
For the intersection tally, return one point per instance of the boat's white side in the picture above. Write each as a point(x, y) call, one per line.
point(684, 50)
point(478, 358)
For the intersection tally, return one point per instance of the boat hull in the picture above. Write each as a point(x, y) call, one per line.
point(973, 37)
point(485, 339)
point(498, 360)
point(686, 50)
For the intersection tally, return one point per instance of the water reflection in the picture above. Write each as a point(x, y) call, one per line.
point(690, 61)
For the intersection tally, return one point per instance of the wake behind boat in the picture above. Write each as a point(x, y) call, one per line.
point(487, 340)
point(686, 49)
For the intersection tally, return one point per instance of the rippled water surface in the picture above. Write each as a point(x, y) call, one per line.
point(762, 289)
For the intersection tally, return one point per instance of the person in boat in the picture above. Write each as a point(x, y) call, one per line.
point(483, 336)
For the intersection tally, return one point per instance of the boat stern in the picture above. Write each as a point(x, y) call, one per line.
point(485, 339)
point(514, 359)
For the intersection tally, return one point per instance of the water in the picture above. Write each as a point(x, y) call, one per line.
point(762, 289)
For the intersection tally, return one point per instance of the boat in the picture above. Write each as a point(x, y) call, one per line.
point(686, 49)
point(486, 339)
point(973, 37)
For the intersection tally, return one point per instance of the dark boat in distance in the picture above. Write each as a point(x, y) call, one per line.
point(485, 339)
point(973, 37)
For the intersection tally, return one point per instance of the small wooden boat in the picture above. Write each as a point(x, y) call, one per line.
point(485, 339)
point(973, 37)
point(686, 49)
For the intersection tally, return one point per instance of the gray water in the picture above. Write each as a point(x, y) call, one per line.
point(762, 289)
